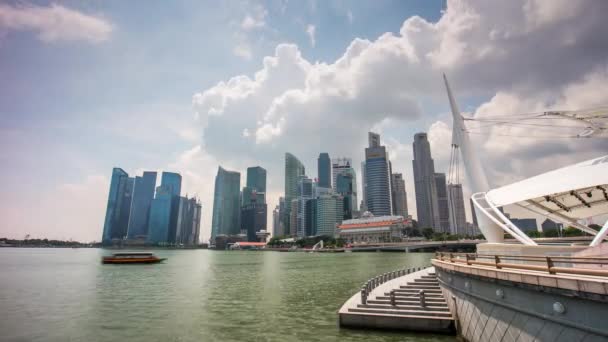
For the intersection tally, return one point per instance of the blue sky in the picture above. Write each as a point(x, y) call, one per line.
point(86, 86)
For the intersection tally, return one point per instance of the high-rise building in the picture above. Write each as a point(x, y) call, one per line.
point(399, 195)
point(143, 194)
point(188, 222)
point(172, 182)
point(458, 220)
point(305, 193)
point(160, 215)
point(253, 219)
point(442, 202)
point(329, 213)
point(226, 203)
point(119, 206)
point(377, 178)
point(281, 226)
point(337, 166)
point(363, 206)
point(293, 217)
point(276, 222)
point(256, 178)
point(346, 186)
point(427, 206)
point(294, 169)
point(324, 170)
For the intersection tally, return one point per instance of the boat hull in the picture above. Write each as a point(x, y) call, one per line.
point(119, 261)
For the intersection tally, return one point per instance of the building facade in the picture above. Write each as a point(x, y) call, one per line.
point(294, 169)
point(143, 194)
point(373, 229)
point(377, 178)
point(324, 170)
point(161, 216)
point(305, 194)
point(253, 220)
point(188, 222)
point(226, 203)
point(427, 206)
point(442, 202)
point(256, 178)
point(458, 218)
point(329, 213)
point(338, 165)
point(346, 186)
point(399, 196)
point(118, 207)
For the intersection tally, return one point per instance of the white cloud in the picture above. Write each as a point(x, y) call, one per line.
point(255, 20)
point(55, 23)
point(492, 51)
point(243, 51)
point(310, 31)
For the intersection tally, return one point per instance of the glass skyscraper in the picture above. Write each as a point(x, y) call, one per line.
point(160, 216)
point(226, 203)
point(294, 169)
point(346, 186)
point(442, 202)
point(172, 182)
point(256, 178)
point(377, 174)
point(399, 195)
point(143, 194)
point(324, 170)
point(119, 206)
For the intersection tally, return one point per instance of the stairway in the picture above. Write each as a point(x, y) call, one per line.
point(405, 310)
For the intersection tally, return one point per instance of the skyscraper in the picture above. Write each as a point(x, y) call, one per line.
point(377, 178)
point(442, 202)
point(188, 221)
point(172, 182)
point(256, 178)
point(118, 207)
point(276, 225)
point(329, 213)
point(337, 166)
point(399, 195)
point(458, 219)
point(281, 225)
point(346, 186)
point(305, 193)
point(226, 203)
point(253, 219)
point(324, 170)
point(425, 184)
point(294, 169)
point(143, 194)
point(160, 215)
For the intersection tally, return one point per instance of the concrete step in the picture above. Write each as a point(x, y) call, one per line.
point(420, 286)
point(413, 299)
point(424, 282)
point(414, 293)
point(406, 303)
point(404, 307)
point(415, 290)
point(421, 313)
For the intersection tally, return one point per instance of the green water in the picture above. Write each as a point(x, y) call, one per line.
point(197, 295)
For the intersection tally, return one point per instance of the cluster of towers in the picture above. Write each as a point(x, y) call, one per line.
point(136, 213)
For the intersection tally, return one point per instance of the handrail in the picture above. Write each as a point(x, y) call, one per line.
point(372, 283)
point(471, 259)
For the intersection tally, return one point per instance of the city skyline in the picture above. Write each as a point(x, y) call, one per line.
point(91, 103)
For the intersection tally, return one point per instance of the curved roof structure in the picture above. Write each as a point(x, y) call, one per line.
point(576, 191)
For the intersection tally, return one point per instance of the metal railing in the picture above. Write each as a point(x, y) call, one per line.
point(530, 262)
point(376, 281)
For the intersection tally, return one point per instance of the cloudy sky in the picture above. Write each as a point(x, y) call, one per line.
point(186, 86)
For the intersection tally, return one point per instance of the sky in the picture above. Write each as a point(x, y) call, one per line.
point(186, 86)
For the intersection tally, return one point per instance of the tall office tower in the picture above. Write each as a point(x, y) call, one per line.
point(337, 166)
point(293, 217)
point(160, 215)
point(473, 216)
point(294, 169)
point(329, 213)
point(399, 195)
point(458, 218)
point(253, 219)
point(188, 221)
point(442, 202)
point(427, 206)
point(346, 186)
point(324, 170)
point(310, 225)
point(305, 193)
point(276, 221)
point(143, 194)
point(226, 203)
point(363, 206)
point(282, 215)
point(256, 178)
point(172, 182)
point(119, 206)
point(377, 175)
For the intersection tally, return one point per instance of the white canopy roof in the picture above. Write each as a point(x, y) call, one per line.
point(576, 191)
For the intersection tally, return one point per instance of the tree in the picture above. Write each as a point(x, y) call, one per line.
point(428, 233)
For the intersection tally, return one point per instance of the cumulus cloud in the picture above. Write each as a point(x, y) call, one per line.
point(255, 20)
point(54, 23)
point(508, 52)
